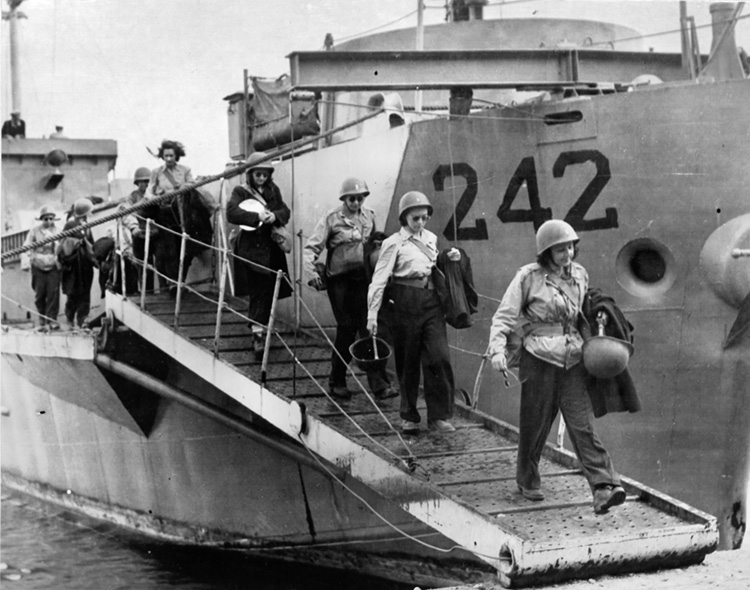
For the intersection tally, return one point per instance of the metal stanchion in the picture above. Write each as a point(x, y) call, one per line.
point(179, 281)
point(266, 349)
point(121, 253)
point(146, 253)
point(300, 278)
point(222, 291)
point(561, 433)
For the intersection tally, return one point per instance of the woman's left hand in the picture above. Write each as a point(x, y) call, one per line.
point(270, 218)
point(454, 255)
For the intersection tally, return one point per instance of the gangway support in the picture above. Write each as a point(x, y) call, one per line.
point(524, 544)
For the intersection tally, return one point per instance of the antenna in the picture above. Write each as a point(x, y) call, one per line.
point(12, 17)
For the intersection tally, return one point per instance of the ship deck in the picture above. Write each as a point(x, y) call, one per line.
point(463, 483)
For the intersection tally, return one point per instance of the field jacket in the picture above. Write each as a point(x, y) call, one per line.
point(543, 313)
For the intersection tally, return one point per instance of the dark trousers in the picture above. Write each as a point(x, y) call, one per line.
point(420, 341)
point(139, 249)
point(46, 286)
point(545, 390)
point(131, 275)
point(348, 296)
point(261, 299)
point(77, 307)
point(168, 256)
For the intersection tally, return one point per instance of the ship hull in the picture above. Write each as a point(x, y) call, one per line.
point(83, 438)
point(652, 173)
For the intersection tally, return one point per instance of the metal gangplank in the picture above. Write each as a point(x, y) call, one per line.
point(464, 484)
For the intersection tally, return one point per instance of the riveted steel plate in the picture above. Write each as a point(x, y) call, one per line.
point(497, 496)
point(576, 522)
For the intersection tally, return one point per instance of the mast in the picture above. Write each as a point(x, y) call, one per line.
point(419, 47)
point(12, 17)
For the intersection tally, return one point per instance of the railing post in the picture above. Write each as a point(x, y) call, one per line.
point(300, 278)
point(121, 251)
point(222, 291)
point(146, 253)
point(225, 245)
point(561, 433)
point(269, 332)
point(179, 281)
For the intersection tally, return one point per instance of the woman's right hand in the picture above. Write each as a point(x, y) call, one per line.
point(372, 327)
point(498, 362)
point(316, 283)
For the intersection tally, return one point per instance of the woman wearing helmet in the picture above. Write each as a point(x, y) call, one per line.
point(76, 257)
point(418, 327)
point(133, 235)
point(343, 232)
point(543, 302)
point(257, 206)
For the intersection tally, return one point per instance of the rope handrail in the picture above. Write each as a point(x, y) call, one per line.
point(288, 280)
point(408, 461)
point(28, 309)
point(180, 192)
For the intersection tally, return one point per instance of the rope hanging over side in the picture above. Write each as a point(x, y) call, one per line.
point(230, 173)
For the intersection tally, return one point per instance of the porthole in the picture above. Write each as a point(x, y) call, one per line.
point(645, 267)
point(648, 265)
point(562, 118)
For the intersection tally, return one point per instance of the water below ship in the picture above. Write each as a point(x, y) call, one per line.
point(45, 548)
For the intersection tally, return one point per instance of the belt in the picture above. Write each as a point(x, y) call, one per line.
point(420, 283)
point(544, 329)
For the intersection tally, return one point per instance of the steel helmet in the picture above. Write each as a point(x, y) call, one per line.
point(353, 186)
point(606, 357)
point(411, 200)
point(82, 207)
point(553, 232)
point(254, 162)
point(142, 174)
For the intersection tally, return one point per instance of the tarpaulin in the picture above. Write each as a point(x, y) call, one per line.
point(270, 124)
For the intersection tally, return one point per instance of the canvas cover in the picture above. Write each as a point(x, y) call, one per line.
point(269, 121)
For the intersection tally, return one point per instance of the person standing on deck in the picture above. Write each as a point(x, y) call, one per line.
point(76, 257)
point(546, 296)
point(58, 133)
point(134, 226)
point(343, 232)
point(257, 206)
point(45, 273)
point(166, 178)
point(15, 127)
point(406, 261)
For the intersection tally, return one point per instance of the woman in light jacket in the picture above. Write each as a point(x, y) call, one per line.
point(543, 300)
point(420, 342)
point(343, 232)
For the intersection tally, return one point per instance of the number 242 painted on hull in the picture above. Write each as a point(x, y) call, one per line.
point(526, 173)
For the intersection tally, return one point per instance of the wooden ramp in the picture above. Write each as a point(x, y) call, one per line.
point(461, 484)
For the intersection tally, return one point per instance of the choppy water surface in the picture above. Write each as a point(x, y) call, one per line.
point(44, 547)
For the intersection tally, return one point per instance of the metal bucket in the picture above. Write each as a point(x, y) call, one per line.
point(371, 353)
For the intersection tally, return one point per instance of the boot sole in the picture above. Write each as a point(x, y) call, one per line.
point(531, 495)
point(615, 499)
